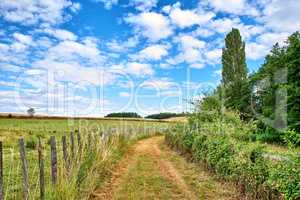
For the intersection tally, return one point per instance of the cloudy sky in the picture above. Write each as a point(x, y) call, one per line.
point(92, 57)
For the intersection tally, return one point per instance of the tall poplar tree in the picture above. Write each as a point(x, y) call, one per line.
point(234, 73)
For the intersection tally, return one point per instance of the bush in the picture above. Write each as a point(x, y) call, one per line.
point(286, 178)
point(292, 138)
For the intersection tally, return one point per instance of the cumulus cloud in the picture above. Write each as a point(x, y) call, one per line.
point(143, 5)
point(239, 7)
point(122, 46)
point(190, 48)
point(187, 18)
point(151, 25)
point(282, 15)
point(24, 39)
point(60, 34)
point(71, 50)
point(224, 25)
point(214, 56)
point(256, 51)
point(33, 12)
point(153, 52)
point(139, 69)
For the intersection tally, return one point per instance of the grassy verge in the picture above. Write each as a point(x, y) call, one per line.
point(205, 184)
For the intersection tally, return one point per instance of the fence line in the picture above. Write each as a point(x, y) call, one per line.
point(72, 148)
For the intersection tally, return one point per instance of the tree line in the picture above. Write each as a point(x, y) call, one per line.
point(163, 115)
point(270, 96)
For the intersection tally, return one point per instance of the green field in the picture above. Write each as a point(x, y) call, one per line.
point(103, 143)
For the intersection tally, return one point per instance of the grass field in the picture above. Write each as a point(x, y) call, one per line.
point(119, 134)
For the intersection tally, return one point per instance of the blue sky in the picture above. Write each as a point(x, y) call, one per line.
point(92, 57)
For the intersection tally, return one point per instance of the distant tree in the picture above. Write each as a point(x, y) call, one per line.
point(164, 115)
point(31, 112)
point(124, 115)
point(9, 115)
point(234, 74)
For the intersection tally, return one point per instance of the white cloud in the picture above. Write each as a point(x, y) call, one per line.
point(108, 3)
point(166, 9)
point(187, 18)
point(256, 51)
point(197, 65)
point(61, 34)
point(152, 25)
point(143, 5)
point(191, 49)
point(203, 32)
point(282, 15)
point(162, 84)
point(214, 56)
point(71, 50)
point(75, 7)
point(189, 42)
point(24, 39)
point(263, 44)
point(122, 46)
point(73, 72)
point(225, 25)
point(270, 38)
point(154, 52)
point(33, 12)
point(139, 69)
point(239, 7)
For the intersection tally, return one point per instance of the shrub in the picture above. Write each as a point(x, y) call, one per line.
point(292, 138)
point(240, 162)
point(270, 135)
point(286, 178)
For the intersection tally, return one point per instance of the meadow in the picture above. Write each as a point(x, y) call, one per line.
point(102, 143)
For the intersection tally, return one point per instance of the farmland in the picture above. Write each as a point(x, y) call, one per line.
point(104, 140)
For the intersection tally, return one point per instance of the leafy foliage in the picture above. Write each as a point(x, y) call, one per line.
point(277, 94)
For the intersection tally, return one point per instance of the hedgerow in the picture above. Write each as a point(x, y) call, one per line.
point(238, 160)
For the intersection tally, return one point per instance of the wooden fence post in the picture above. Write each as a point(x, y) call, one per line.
point(53, 160)
point(79, 145)
point(42, 173)
point(1, 171)
point(72, 145)
point(65, 152)
point(24, 169)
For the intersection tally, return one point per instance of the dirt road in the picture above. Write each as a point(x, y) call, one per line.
point(152, 171)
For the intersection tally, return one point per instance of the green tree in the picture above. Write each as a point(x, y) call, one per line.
point(31, 112)
point(234, 74)
point(281, 71)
